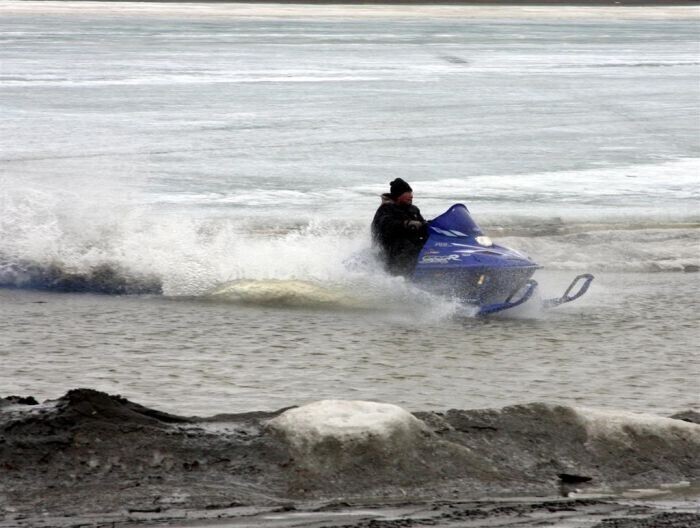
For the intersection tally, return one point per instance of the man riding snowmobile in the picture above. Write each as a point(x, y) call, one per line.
point(398, 229)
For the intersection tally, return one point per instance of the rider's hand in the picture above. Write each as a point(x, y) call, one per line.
point(414, 225)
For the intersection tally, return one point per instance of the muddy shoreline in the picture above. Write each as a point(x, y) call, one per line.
point(92, 459)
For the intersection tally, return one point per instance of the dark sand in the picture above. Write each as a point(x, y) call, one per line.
point(90, 459)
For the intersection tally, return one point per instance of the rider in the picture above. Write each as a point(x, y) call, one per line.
point(398, 229)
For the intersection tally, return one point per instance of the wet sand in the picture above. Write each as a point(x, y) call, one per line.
point(91, 459)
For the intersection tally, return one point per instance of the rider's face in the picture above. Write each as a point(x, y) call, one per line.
point(405, 199)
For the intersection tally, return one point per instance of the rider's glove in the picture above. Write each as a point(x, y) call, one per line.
point(413, 225)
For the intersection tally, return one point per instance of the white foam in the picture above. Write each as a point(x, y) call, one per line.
point(224, 259)
point(287, 293)
point(190, 255)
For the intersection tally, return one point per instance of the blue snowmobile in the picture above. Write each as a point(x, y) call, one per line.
point(459, 261)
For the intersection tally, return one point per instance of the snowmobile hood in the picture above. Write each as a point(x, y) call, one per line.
point(455, 241)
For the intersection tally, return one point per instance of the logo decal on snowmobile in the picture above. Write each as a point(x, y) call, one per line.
point(430, 259)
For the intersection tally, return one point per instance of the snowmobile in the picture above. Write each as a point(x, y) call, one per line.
point(458, 260)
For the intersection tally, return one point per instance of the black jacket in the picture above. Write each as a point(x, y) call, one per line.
point(398, 243)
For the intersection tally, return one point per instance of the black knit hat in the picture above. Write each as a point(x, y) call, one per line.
point(398, 187)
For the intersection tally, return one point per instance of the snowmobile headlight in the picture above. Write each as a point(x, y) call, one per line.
point(484, 241)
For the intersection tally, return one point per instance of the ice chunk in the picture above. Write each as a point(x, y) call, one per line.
point(346, 421)
point(628, 426)
point(338, 446)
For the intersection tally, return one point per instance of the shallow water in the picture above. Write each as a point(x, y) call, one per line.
point(631, 345)
point(235, 150)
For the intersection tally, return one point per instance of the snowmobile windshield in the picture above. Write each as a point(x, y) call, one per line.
point(456, 221)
